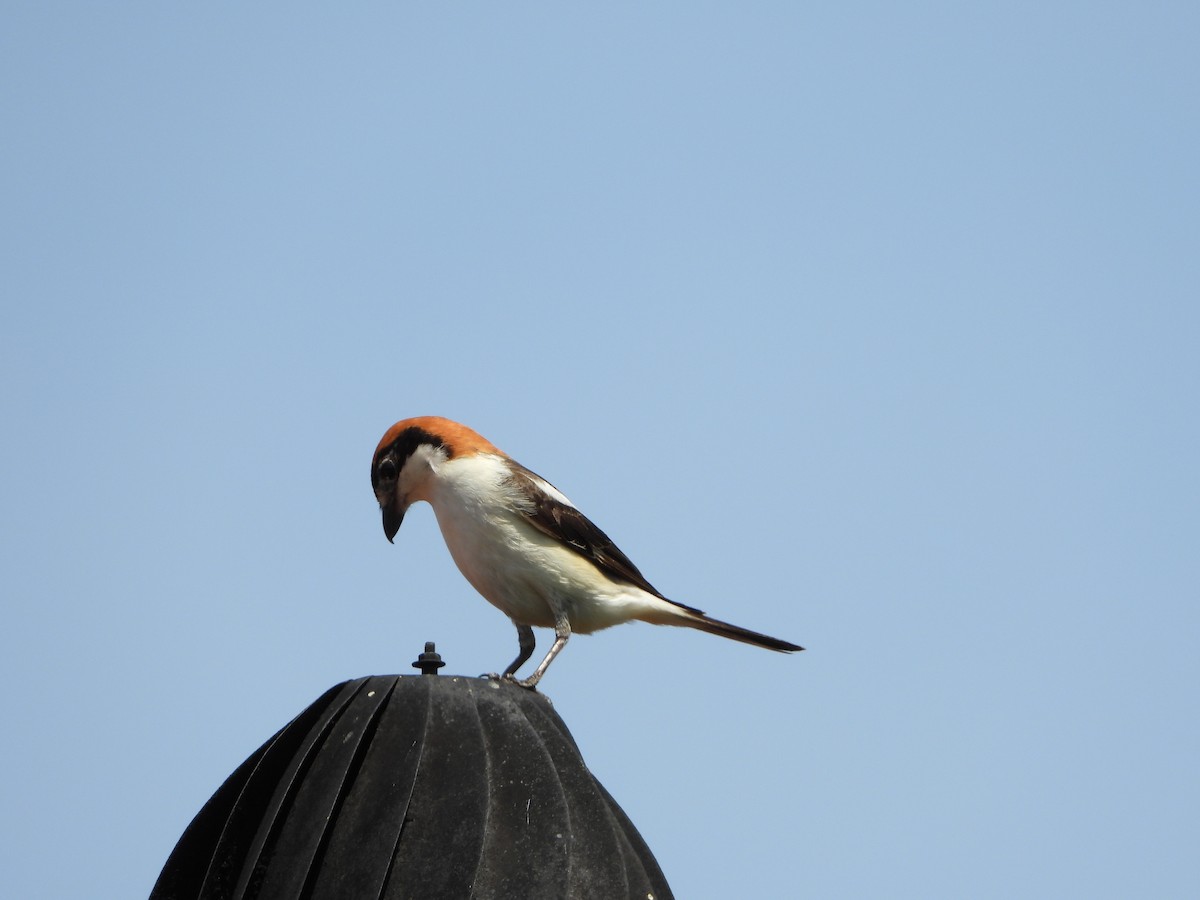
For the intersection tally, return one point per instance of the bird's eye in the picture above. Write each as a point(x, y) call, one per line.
point(387, 470)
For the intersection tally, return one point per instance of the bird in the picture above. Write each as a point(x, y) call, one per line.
point(521, 543)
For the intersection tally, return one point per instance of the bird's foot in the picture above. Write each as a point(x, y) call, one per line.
point(530, 684)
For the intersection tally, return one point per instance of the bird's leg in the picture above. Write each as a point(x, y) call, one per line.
point(562, 632)
point(526, 643)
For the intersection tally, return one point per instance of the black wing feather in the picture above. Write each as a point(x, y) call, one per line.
point(567, 524)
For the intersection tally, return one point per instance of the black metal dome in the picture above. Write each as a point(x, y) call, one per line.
point(413, 786)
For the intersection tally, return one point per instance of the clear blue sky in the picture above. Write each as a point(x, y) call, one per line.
point(875, 327)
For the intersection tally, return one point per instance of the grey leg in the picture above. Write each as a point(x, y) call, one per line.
point(562, 632)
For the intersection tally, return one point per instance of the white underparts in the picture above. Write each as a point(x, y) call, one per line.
point(522, 571)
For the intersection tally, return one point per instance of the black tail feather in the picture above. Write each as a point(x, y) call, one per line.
point(737, 633)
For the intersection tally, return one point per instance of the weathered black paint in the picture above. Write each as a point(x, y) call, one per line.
point(414, 786)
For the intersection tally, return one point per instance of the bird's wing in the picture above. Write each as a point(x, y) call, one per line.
point(552, 514)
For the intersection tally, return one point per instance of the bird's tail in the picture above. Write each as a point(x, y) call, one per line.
point(658, 610)
point(737, 633)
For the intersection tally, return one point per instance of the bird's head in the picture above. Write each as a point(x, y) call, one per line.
point(407, 459)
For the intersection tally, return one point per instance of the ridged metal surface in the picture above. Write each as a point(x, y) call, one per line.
point(414, 787)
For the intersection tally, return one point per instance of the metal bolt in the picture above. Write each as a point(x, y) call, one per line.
point(430, 661)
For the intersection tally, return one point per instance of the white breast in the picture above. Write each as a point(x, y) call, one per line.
point(517, 568)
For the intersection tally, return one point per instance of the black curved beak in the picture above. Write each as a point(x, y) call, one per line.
point(393, 515)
